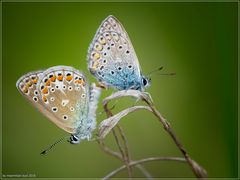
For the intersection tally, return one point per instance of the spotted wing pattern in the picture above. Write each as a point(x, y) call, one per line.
point(111, 57)
point(61, 93)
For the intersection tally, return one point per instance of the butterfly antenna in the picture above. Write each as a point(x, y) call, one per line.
point(159, 69)
point(168, 74)
point(155, 70)
point(53, 145)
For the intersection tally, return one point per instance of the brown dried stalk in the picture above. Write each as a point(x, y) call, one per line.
point(106, 125)
point(118, 156)
point(135, 163)
point(123, 150)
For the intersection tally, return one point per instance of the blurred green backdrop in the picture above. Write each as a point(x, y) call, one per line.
point(198, 41)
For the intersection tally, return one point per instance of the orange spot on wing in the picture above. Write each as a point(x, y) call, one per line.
point(48, 82)
point(35, 81)
point(45, 90)
point(25, 89)
point(95, 65)
point(78, 81)
point(69, 78)
point(60, 78)
point(44, 98)
point(53, 78)
point(29, 84)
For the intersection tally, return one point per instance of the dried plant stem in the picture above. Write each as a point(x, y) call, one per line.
point(122, 151)
point(125, 143)
point(124, 157)
point(106, 125)
point(119, 156)
point(108, 150)
point(135, 163)
point(125, 154)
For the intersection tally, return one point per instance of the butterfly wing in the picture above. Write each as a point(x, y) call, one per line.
point(27, 86)
point(64, 91)
point(111, 56)
point(61, 96)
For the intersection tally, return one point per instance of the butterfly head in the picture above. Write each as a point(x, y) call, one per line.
point(146, 82)
point(74, 139)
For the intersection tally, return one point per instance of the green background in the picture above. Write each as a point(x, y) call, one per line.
point(198, 41)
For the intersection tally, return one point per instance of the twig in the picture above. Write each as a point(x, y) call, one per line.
point(108, 150)
point(106, 125)
point(134, 163)
point(144, 171)
point(109, 123)
point(124, 156)
point(125, 143)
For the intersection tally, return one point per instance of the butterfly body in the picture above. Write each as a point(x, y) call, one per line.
point(112, 59)
point(64, 96)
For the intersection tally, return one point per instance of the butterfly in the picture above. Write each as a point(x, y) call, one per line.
point(112, 59)
point(63, 95)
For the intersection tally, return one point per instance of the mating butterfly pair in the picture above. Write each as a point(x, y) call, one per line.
point(63, 93)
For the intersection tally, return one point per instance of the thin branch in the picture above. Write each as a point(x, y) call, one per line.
point(127, 158)
point(144, 171)
point(109, 123)
point(108, 150)
point(124, 157)
point(125, 143)
point(134, 163)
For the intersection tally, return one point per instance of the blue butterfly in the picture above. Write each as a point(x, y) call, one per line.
point(63, 95)
point(112, 59)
